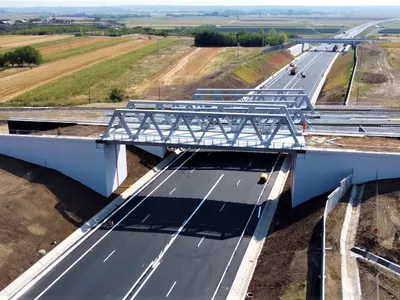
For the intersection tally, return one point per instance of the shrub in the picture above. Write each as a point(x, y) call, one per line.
point(116, 95)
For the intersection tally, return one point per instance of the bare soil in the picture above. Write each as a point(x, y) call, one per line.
point(373, 144)
point(16, 84)
point(334, 223)
point(380, 209)
point(389, 283)
point(75, 130)
point(377, 82)
point(289, 265)
point(40, 205)
point(11, 41)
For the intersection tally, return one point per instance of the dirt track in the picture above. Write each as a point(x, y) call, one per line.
point(16, 84)
point(73, 44)
point(186, 69)
point(24, 40)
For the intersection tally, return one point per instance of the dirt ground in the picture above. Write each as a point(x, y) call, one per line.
point(389, 283)
point(73, 44)
point(39, 206)
point(377, 82)
point(75, 130)
point(374, 144)
point(334, 222)
point(380, 208)
point(289, 265)
point(11, 41)
point(187, 68)
point(16, 84)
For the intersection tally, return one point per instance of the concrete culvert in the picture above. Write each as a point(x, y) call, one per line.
point(250, 295)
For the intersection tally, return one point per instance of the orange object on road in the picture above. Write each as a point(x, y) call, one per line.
point(59, 130)
point(304, 126)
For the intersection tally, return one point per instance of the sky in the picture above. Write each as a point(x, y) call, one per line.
point(31, 3)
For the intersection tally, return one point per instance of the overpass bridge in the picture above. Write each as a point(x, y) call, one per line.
point(250, 126)
point(348, 41)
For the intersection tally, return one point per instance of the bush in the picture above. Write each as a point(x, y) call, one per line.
point(116, 95)
point(24, 55)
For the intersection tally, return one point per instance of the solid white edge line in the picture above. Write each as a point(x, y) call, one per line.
point(172, 191)
point(108, 232)
point(192, 170)
point(146, 218)
point(198, 245)
point(259, 211)
point(170, 290)
point(109, 256)
point(158, 259)
point(241, 236)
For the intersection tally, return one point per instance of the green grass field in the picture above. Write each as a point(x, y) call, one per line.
point(95, 81)
point(84, 49)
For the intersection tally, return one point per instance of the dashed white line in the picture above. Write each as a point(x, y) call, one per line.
point(170, 290)
point(145, 218)
point(250, 163)
point(172, 191)
point(259, 212)
point(238, 182)
point(198, 245)
point(209, 153)
point(192, 170)
point(109, 256)
point(222, 207)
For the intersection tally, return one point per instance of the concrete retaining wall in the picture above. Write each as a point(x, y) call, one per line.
point(100, 167)
point(319, 171)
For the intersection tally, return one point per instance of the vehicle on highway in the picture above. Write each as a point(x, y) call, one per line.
point(293, 70)
point(263, 178)
point(291, 65)
point(109, 224)
point(303, 75)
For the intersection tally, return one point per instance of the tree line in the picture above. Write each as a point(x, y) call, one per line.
point(210, 38)
point(21, 56)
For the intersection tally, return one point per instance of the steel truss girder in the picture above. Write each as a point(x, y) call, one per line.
point(295, 114)
point(136, 125)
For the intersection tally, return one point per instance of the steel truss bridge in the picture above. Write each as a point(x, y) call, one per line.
point(260, 124)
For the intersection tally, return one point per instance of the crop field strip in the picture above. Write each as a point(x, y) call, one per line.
point(74, 88)
point(42, 44)
point(14, 41)
point(16, 84)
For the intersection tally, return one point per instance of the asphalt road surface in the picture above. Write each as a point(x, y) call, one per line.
point(175, 238)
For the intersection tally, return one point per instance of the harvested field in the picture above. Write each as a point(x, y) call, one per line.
point(17, 84)
point(389, 283)
point(377, 79)
point(334, 223)
point(11, 71)
point(40, 205)
point(289, 265)
point(380, 209)
point(77, 42)
point(337, 82)
point(185, 69)
point(367, 143)
point(12, 41)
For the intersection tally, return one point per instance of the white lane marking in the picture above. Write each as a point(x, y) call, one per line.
point(222, 207)
point(198, 245)
point(109, 256)
point(192, 170)
point(169, 292)
point(250, 163)
point(146, 218)
point(172, 191)
point(259, 211)
point(209, 153)
point(108, 232)
point(158, 259)
point(238, 182)
point(241, 236)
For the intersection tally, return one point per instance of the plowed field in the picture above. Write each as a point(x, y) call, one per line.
point(11, 41)
point(14, 85)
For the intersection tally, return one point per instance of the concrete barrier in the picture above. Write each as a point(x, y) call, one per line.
point(333, 200)
point(100, 167)
point(318, 171)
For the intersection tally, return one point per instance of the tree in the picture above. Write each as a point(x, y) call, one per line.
point(282, 38)
point(2, 61)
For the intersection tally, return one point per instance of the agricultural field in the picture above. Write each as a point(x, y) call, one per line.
point(13, 41)
point(377, 79)
point(17, 84)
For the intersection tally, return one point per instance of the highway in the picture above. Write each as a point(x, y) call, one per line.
point(192, 218)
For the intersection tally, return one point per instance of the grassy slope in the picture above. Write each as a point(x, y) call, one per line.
point(84, 49)
point(73, 89)
point(335, 87)
point(393, 54)
point(262, 66)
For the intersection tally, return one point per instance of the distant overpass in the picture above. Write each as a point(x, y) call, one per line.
point(331, 41)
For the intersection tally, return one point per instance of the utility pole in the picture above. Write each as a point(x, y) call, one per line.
point(158, 49)
point(238, 52)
